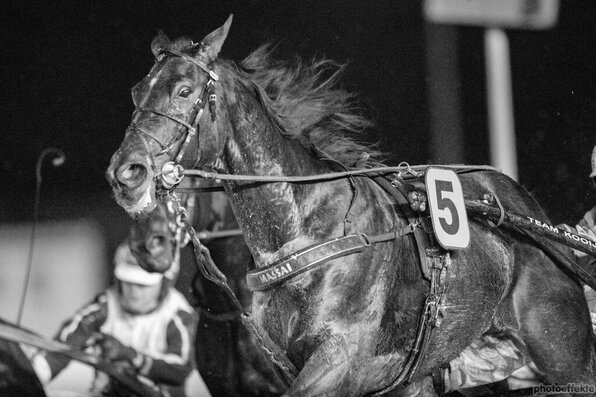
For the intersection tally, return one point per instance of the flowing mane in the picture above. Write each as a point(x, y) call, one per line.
point(305, 101)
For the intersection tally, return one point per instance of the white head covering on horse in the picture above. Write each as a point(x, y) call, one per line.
point(127, 268)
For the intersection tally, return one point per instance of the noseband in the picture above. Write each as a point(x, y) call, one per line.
point(187, 127)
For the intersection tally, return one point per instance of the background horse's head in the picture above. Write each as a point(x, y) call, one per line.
point(170, 102)
point(152, 238)
point(157, 236)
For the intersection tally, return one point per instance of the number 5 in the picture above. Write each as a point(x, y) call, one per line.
point(444, 203)
point(447, 208)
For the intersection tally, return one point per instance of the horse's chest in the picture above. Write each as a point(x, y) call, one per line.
point(276, 313)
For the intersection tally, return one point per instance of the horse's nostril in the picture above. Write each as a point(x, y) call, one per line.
point(131, 175)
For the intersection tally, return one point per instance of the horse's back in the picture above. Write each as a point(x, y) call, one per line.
point(512, 195)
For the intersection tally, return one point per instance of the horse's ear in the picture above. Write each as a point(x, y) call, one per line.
point(214, 41)
point(159, 43)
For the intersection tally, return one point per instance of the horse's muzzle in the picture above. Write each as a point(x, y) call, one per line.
point(130, 177)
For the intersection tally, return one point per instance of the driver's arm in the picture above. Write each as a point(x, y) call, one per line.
point(76, 331)
point(174, 365)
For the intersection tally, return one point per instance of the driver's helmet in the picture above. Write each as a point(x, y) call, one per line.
point(128, 270)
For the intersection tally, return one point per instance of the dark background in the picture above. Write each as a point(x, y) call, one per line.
point(67, 68)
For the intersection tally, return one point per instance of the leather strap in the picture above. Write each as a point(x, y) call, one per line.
point(304, 259)
point(317, 254)
point(420, 236)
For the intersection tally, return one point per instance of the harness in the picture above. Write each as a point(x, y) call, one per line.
point(408, 195)
point(434, 262)
point(188, 126)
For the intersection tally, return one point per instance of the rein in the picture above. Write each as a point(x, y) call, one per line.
point(19, 335)
point(211, 272)
point(172, 173)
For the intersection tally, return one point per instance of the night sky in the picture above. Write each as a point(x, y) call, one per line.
point(68, 66)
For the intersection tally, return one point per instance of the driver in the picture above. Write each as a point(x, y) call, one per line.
point(587, 227)
point(141, 324)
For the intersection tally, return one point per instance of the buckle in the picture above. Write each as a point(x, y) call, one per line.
point(171, 174)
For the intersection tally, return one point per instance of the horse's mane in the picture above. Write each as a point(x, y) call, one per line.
point(306, 102)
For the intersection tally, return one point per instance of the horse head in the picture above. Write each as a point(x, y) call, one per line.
point(173, 104)
point(152, 238)
point(157, 236)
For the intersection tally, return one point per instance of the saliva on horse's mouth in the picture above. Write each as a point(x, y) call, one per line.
point(145, 204)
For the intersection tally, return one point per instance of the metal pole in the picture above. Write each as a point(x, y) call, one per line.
point(503, 151)
point(447, 144)
point(56, 162)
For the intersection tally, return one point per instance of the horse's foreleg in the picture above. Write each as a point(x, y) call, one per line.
point(326, 373)
point(334, 370)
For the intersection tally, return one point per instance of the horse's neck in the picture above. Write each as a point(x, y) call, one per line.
point(271, 215)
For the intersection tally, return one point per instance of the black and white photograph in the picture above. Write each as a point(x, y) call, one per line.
point(245, 198)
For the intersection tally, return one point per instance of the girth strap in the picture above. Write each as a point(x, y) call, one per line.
point(433, 265)
point(420, 235)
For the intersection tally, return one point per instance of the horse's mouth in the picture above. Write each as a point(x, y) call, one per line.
point(138, 202)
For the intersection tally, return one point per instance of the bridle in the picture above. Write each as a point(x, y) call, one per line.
point(188, 126)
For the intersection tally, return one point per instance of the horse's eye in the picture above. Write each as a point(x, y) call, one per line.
point(184, 92)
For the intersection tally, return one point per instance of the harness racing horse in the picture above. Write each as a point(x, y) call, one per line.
point(227, 356)
point(349, 321)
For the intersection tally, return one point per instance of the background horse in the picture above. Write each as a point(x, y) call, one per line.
point(348, 325)
point(227, 355)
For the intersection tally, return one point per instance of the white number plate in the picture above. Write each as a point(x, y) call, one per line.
point(447, 208)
